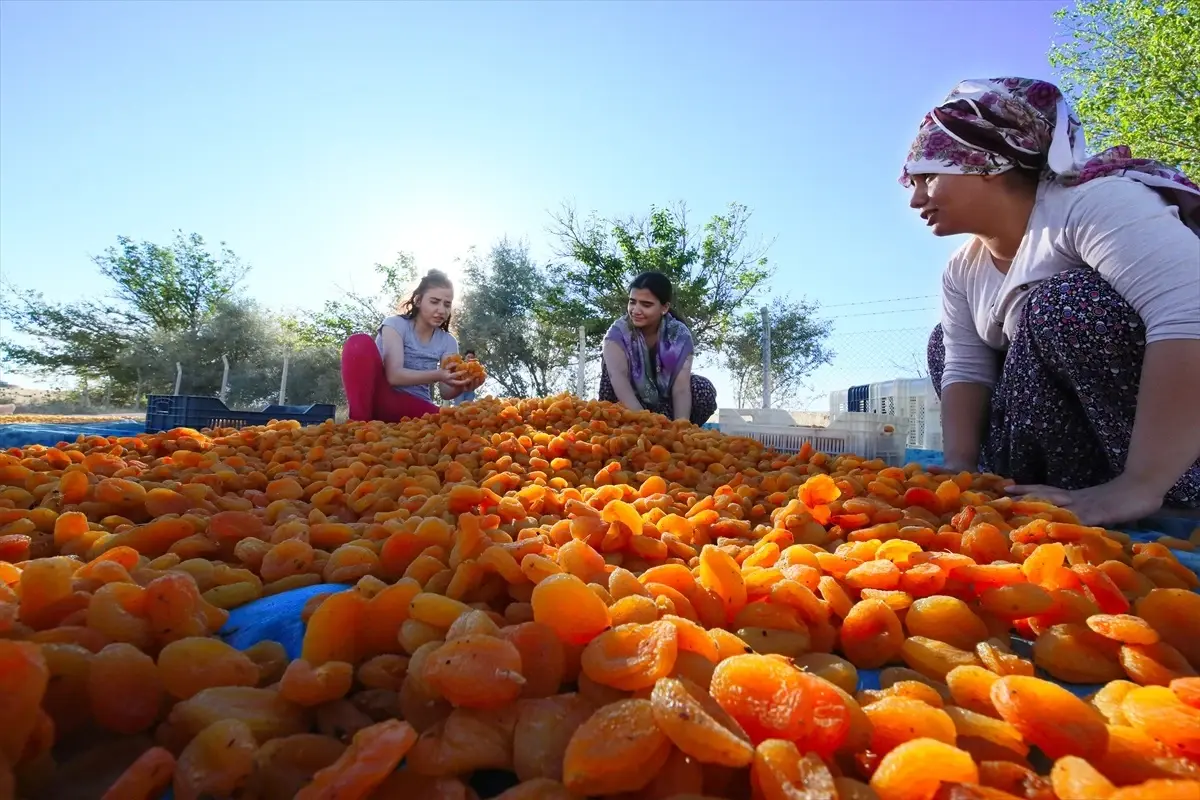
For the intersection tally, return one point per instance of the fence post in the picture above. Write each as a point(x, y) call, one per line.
point(283, 381)
point(225, 378)
point(178, 377)
point(581, 376)
point(766, 348)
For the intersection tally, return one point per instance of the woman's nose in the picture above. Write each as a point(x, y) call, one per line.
point(918, 198)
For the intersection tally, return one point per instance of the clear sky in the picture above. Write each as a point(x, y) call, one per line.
point(318, 138)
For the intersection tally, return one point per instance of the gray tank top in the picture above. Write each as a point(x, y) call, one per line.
point(418, 355)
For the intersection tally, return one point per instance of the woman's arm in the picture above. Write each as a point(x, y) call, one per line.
point(681, 391)
point(967, 378)
point(393, 363)
point(618, 376)
point(964, 417)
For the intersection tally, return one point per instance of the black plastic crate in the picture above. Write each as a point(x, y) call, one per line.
point(165, 412)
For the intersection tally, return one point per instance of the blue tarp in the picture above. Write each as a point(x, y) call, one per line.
point(50, 434)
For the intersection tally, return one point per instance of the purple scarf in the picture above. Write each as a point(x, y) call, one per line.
point(992, 125)
point(674, 348)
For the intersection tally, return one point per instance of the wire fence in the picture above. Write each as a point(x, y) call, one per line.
point(861, 357)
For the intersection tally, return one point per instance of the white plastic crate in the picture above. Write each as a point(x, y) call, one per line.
point(912, 399)
point(869, 439)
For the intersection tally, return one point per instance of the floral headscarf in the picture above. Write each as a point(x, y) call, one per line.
point(653, 385)
point(988, 126)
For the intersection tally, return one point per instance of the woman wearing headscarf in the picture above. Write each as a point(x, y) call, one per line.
point(647, 361)
point(1068, 356)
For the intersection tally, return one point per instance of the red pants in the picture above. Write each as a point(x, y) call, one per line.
point(368, 392)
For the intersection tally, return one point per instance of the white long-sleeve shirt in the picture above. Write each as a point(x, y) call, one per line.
point(1121, 228)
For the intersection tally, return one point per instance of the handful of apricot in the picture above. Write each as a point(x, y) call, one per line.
point(464, 369)
point(588, 601)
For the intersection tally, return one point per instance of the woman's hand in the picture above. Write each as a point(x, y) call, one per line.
point(451, 378)
point(1117, 502)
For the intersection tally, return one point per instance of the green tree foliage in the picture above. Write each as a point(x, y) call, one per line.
point(156, 291)
point(797, 348)
point(174, 288)
point(719, 277)
point(241, 331)
point(716, 272)
point(1131, 69)
point(502, 317)
point(357, 312)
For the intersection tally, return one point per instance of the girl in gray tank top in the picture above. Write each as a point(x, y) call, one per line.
point(420, 356)
point(390, 377)
point(412, 358)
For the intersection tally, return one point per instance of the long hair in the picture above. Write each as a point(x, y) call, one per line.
point(434, 279)
point(660, 286)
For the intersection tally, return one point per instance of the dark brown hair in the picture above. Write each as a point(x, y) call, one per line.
point(434, 279)
point(660, 286)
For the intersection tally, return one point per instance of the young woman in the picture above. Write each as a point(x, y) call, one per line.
point(647, 360)
point(390, 377)
point(1068, 356)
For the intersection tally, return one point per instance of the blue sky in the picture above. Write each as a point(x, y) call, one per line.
point(318, 138)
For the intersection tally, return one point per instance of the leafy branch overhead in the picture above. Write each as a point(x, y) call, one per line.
point(1131, 70)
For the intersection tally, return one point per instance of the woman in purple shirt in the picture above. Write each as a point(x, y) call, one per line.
point(648, 353)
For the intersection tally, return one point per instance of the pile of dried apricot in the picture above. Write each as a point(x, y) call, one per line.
point(562, 599)
point(464, 369)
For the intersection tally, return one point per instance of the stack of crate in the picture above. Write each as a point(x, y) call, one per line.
point(910, 399)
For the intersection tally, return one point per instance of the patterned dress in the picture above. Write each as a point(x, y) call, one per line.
point(1062, 412)
point(704, 398)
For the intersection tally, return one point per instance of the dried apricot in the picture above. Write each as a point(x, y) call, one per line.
point(371, 757)
point(916, 769)
point(216, 762)
point(475, 671)
point(1050, 717)
point(570, 608)
point(618, 749)
point(698, 725)
point(946, 619)
point(895, 720)
point(1075, 778)
point(871, 634)
point(188, 666)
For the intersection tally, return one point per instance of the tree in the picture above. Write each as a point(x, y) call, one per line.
point(502, 317)
point(357, 312)
point(156, 290)
point(719, 276)
point(714, 270)
point(797, 348)
point(174, 288)
point(241, 331)
point(1130, 67)
point(86, 339)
